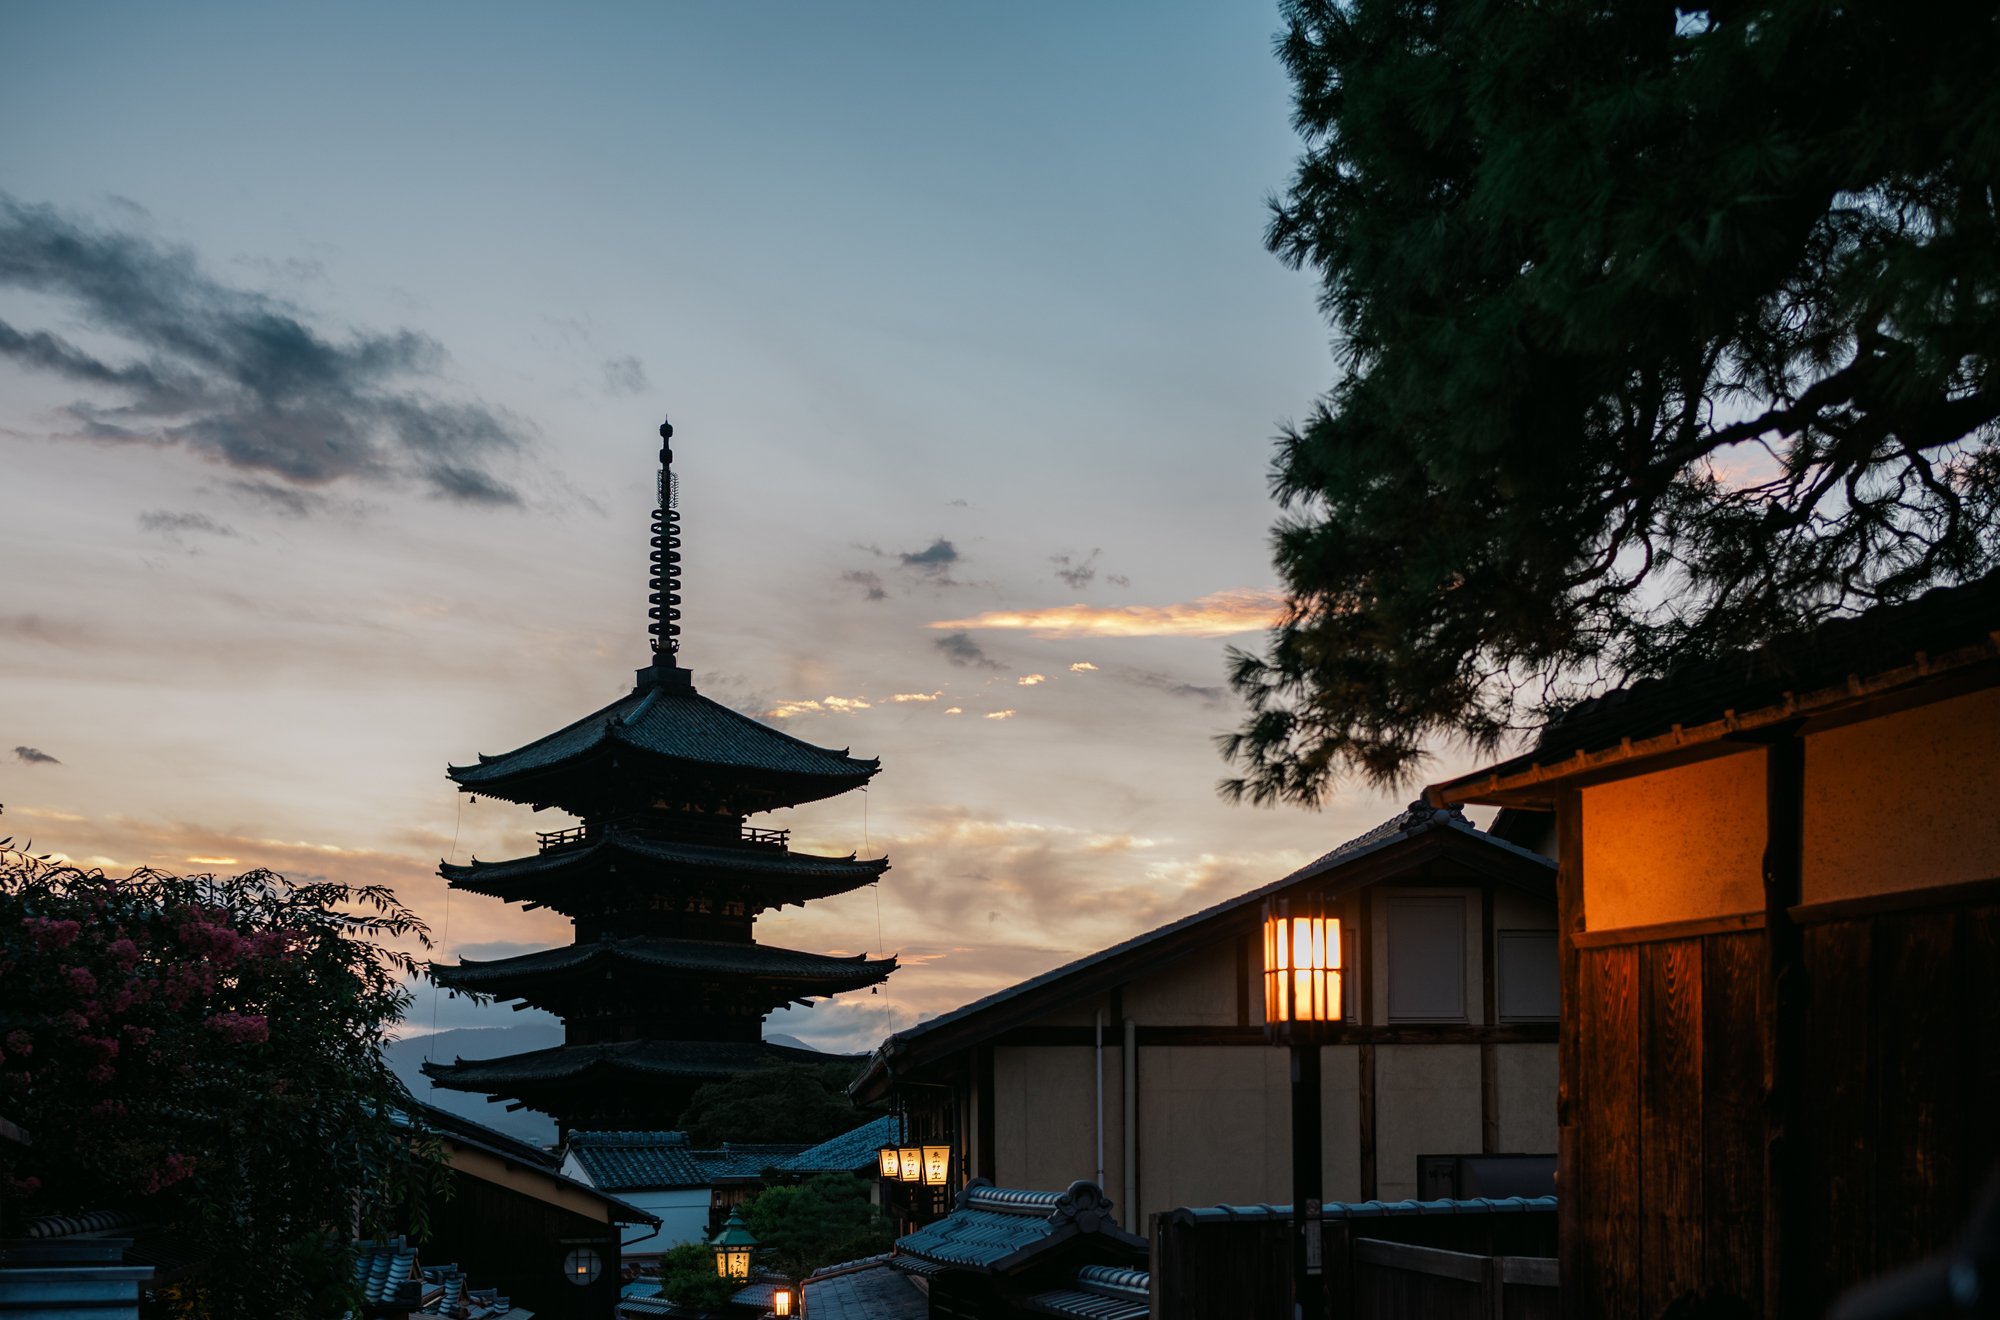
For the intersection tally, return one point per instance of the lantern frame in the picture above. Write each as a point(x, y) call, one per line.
point(937, 1166)
point(891, 1162)
point(1302, 966)
point(733, 1247)
point(912, 1164)
point(781, 1300)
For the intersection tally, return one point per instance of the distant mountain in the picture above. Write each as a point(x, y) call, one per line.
point(405, 1056)
point(789, 1042)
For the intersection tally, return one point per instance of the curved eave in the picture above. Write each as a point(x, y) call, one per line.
point(788, 972)
point(563, 1065)
point(695, 858)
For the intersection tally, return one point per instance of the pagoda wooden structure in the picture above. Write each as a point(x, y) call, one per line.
point(665, 986)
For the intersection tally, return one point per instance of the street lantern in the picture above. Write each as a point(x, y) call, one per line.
point(937, 1165)
point(892, 1161)
point(1301, 1003)
point(910, 1166)
point(781, 1300)
point(1301, 970)
point(733, 1246)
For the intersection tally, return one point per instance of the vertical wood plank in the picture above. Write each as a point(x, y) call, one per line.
point(1365, 1057)
point(1732, 1116)
point(1612, 1205)
point(1489, 1062)
point(1838, 1128)
point(1918, 1051)
point(1577, 1296)
point(984, 1063)
point(1787, 1173)
point(1979, 995)
point(1670, 1132)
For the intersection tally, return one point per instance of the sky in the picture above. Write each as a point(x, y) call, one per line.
point(333, 345)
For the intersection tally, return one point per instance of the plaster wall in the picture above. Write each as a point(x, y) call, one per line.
point(1340, 1126)
point(1198, 990)
point(1215, 1125)
point(1677, 845)
point(1378, 962)
point(1045, 1116)
point(1526, 1099)
point(1905, 801)
point(1426, 1103)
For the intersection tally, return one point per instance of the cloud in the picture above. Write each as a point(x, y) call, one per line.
point(1001, 714)
point(1118, 579)
point(961, 650)
point(870, 583)
point(933, 560)
point(41, 628)
point(1174, 687)
point(1077, 573)
point(954, 710)
point(174, 526)
point(239, 377)
point(1083, 667)
point(902, 697)
point(34, 756)
point(625, 375)
point(825, 706)
point(1222, 614)
point(1031, 680)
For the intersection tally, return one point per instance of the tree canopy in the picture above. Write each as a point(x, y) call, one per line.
point(1661, 331)
point(822, 1221)
point(205, 1053)
point(795, 1102)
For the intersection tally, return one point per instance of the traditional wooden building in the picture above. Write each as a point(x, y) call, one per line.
point(664, 987)
point(1780, 912)
point(1145, 1067)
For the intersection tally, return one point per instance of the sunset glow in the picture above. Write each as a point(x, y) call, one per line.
point(1222, 614)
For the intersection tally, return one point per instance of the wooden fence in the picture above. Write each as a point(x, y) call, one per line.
point(1453, 1260)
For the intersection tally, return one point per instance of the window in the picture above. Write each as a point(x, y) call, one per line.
point(1427, 960)
point(582, 1266)
point(1527, 967)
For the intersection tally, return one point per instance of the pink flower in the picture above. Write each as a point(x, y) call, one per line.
point(51, 934)
point(20, 1042)
point(124, 952)
point(81, 980)
point(240, 1028)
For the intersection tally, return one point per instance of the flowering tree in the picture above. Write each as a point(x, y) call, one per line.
point(206, 1052)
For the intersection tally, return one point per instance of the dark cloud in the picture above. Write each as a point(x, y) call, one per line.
point(38, 628)
point(34, 756)
point(1118, 579)
point(626, 375)
point(174, 525)
point(238, 376)
point(1173, 687)
point(1077, 572)
point(959, 504)
point(934, 560)
point(960, 649)
point(870, 583)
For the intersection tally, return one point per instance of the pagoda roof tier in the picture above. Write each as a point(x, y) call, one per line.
point(770, 876)
point(666, 733)
point(565, 1065)
point(795, 972)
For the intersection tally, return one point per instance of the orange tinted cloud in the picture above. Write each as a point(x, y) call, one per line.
point(1219, 615)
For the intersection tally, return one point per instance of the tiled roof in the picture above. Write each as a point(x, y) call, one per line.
point(1477, 1205)
point(707, 1059)
point(1098, 1292)
point(674, 724)
point(1416, 821)
point(698, 857)
point(620, 1161)
point(996, 1229)
point(824, 972)
point(745, 1159)
point(760, 1294)
point(850, 1150)
point(388, 1274)
point(1956, 625)
point(863, 1290)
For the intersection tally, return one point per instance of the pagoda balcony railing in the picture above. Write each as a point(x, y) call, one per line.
point(576, 835)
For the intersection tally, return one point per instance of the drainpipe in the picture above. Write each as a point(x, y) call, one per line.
point(1100, 1097)
point(1132, 1125)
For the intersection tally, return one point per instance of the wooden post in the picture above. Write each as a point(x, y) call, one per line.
point(1574, 1297)
point(1366, 1050)
point(1489, 1054)
point(1783, 1011)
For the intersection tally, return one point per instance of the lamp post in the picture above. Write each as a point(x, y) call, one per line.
point(1301, 1002)
point(733, 1246)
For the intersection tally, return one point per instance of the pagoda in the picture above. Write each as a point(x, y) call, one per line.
point(665, 986)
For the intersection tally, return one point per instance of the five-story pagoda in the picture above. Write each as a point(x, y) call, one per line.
point(664, 987)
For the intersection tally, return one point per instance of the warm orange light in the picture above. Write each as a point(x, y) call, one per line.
point(1301, 965)
point(911, 1168)
point(937, 1163)
point(781, 1300)
point(891, 1161)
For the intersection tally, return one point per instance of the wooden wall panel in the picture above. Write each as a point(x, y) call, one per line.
point(1732, 1114)
point(1670, 1121)
point(1607, 1045)
point(1838, 1119)
point(1918, 1051)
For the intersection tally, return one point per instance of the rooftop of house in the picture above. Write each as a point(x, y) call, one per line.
point(1099, 1292)
point(998, 1230)
point(849, 1151)
point(866, 1289)
point(629, 1161)
point(1417, 833)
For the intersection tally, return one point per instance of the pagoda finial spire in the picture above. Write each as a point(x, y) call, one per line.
point(665, 599)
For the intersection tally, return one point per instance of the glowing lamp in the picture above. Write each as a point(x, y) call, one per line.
point(910, 1165)
point(937, 1164)
point(732, 1247)
point(1301, 969)
point(892, 1162)
point(781, 1300)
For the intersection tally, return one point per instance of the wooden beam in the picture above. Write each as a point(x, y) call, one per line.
point(984, 1056)
point(1489, 1057)
point(1783, 1014)
point(1403, 1033)
point(1571, 1175)
point(1367, 1124)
